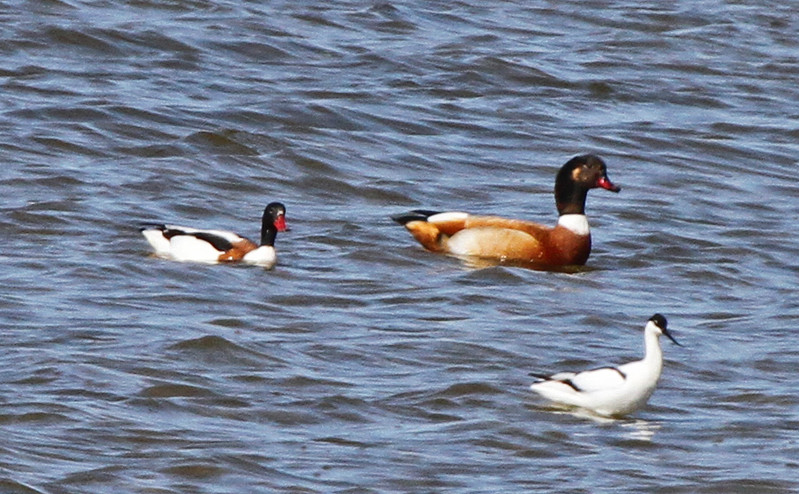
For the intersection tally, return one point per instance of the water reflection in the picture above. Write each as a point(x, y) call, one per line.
point(640, 429)
point(634, 428)
point(483, 262)
point(228, 376)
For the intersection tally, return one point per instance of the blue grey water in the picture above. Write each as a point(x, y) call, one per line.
point(362, 363)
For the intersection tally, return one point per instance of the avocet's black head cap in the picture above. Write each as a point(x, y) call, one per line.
point(661, 323)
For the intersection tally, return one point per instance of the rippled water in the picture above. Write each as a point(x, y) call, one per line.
point(362, 363)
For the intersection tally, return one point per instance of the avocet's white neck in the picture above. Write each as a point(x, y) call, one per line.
point(576, 223)
point(653, 352)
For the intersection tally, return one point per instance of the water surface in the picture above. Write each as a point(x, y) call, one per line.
point(362, 363)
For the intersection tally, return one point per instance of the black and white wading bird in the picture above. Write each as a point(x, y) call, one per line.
point(611, 391)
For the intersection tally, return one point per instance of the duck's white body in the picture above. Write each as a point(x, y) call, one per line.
point(612, 391)
point(189, 247)
point(183, 243)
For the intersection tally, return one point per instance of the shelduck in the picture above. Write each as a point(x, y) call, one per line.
point(611, 391)
point(568, 243)
point(215, 246)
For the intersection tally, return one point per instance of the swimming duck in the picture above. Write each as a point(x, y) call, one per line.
point(214, 246)
point(568, 243)
point(611, 391)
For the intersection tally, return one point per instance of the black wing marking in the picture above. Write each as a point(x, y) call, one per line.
point(415, 215)
point(218, 242)
point(570, 381)
point(152, 226)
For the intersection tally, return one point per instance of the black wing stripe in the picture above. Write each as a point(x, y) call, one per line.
point(218, 242)
point(571, 384)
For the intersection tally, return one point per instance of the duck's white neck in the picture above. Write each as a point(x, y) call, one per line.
point(576, 223)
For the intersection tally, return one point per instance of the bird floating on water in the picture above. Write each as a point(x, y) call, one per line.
point(611, 391)
point(214, 246)
point(494, 237)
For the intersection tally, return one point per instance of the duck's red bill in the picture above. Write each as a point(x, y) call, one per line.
point(605, 183)
point(280, 223)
